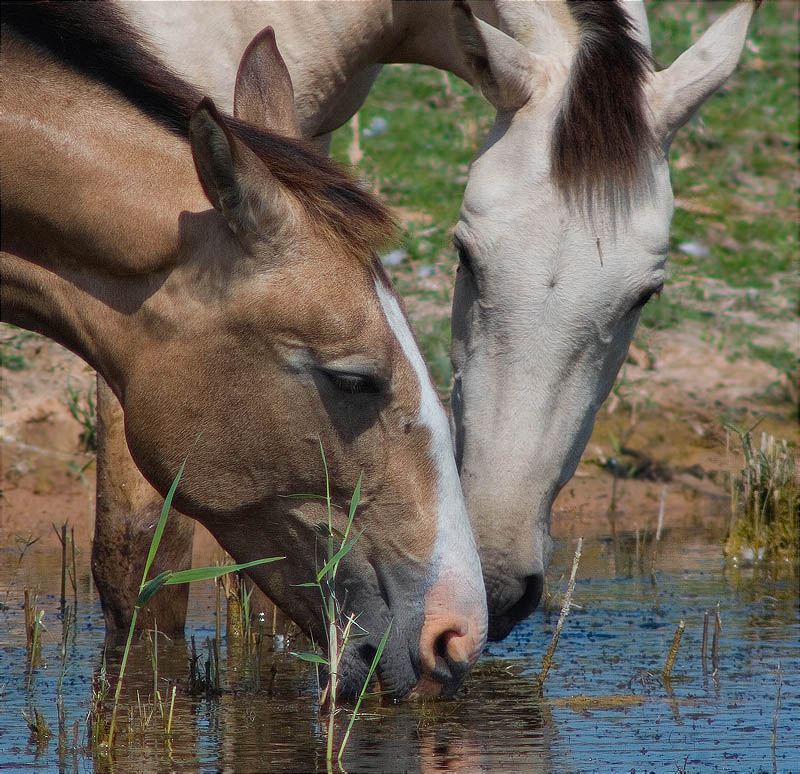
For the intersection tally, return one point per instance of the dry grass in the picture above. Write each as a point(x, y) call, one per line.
point(764, 502)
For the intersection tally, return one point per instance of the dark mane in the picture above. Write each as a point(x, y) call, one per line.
point(95, 39)
point(602, 135)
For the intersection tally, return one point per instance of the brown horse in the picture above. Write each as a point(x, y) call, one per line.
point(241, 335)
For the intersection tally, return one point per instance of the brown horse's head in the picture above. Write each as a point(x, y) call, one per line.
point(275, 336)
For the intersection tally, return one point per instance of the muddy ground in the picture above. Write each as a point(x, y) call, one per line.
point(660, 432)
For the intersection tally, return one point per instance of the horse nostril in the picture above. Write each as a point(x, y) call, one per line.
point(440, 643)
point(440, 646)
point(453, 633)
point(449, 655)
point(502, 621)
point(455, 647)
point(534, 585)
point(447, 651)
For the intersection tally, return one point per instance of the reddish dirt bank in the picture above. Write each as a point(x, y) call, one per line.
point(664, 422)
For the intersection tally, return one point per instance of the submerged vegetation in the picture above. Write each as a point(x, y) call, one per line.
point(765, 497)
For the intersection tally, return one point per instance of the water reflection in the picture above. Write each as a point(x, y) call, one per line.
point(498, 720)
point(605, 705)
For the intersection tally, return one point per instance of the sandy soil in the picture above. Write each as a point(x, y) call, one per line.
point(666, 411)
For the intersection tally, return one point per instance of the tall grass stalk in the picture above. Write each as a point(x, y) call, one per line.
point(715, 641)
point(147, 588)
point(673, 652)
point(547, 660)
point(62, 538)
point(34, 623)
point(74, 572)
point(62, 720)
point(95, 719)
point(340, 628)
point(372, 667)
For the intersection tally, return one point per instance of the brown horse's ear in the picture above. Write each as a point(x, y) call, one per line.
point(264, 95)
point(234, 179)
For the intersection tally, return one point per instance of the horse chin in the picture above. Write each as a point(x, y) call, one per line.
point(396, 676)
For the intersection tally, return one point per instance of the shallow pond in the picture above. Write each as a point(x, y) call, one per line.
point(605, 706)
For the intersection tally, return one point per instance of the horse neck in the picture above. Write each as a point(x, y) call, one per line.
point(333, 50)
point(426, 35)
point(92, 196)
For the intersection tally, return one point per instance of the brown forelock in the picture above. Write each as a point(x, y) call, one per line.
point(335, 202)
point(602, 136)
point(95, 39)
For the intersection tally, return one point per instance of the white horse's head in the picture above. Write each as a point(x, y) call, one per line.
point(563, 238)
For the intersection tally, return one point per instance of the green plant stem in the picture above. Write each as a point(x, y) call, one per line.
point(171, 708)
point(375, 659)
point(333, 665)
point(112, 728)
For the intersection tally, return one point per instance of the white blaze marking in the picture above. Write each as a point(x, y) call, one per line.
point(455, 546)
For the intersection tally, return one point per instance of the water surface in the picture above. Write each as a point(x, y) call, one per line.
point(604, 708)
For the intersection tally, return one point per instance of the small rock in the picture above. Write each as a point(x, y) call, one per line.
point(747, 555)
point(425, 271)
point(395, 258)
point(695, 249)
point(376, 127)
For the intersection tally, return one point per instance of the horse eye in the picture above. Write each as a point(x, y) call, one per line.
point(352, 383)
point(646, 296)
point(464, 258)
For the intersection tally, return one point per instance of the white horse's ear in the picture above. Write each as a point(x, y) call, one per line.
point(696, 74)
point(234, 179)
point(263, 95)
point(505, 71)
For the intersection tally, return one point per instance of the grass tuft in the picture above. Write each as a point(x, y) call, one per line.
point(764, 502)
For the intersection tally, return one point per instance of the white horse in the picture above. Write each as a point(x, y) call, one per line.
point(564, 227)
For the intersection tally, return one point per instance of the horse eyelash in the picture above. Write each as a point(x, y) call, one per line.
point(356, 384)
point(464, 256)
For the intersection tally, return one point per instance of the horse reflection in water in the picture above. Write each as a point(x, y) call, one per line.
point(268, 719)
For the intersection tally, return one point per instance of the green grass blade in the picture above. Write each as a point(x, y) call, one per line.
point(327, 485)
point(373, 666)
point(209, 573)
point(162, 522)
point(309, 585)
point(313, 658)
point(151, 587)
point(113, 726)
point(354, 501)
point(337, 557)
